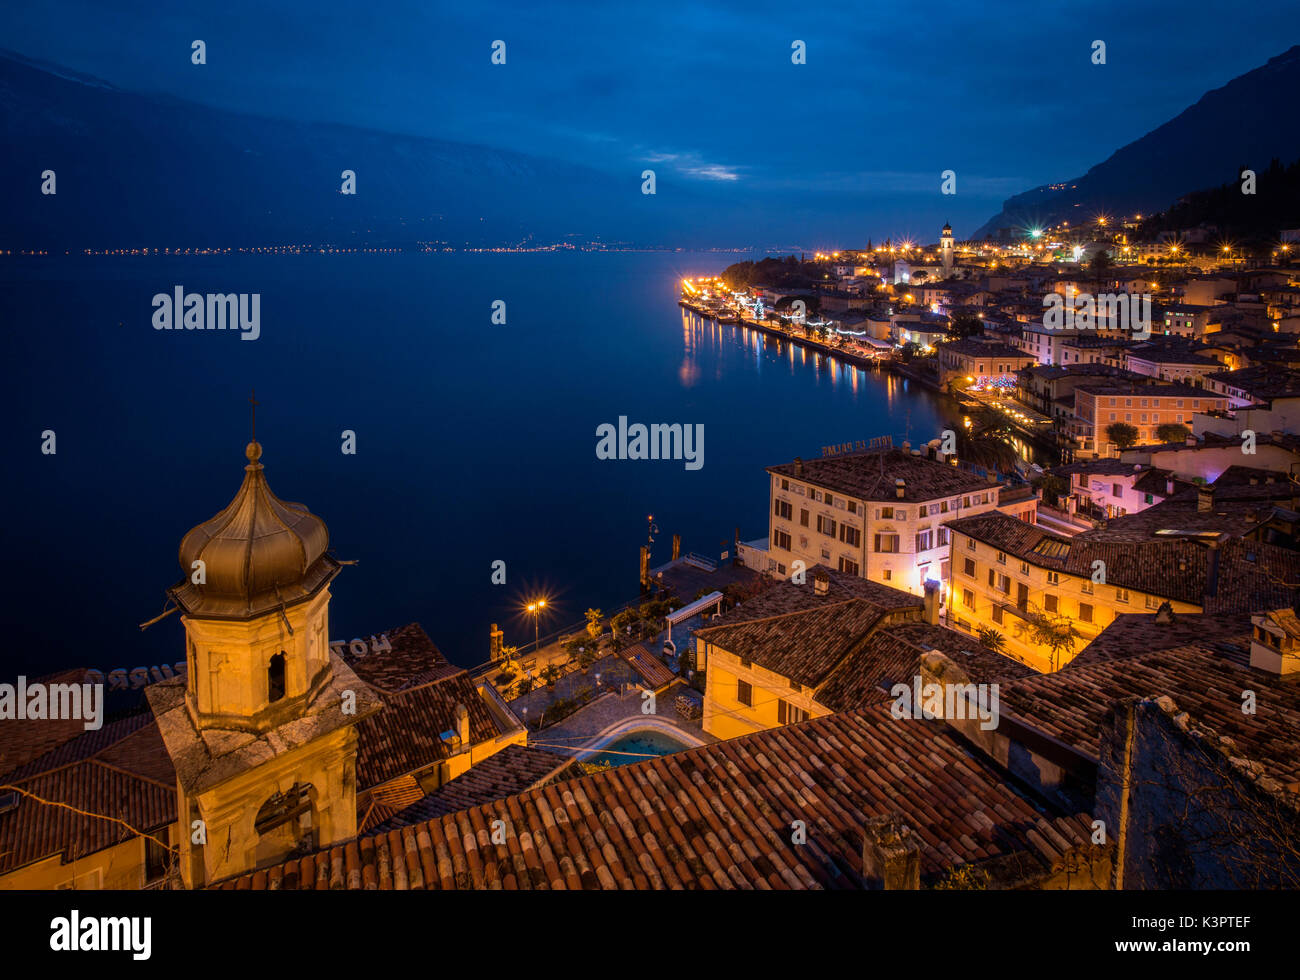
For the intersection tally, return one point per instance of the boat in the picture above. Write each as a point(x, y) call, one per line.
point(728, 316)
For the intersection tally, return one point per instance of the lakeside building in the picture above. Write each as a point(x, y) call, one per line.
point(979, 361)
point(800, 651)
point(877, 514)
point(1107, 488)
point(1145, 407)
point(1195, 551)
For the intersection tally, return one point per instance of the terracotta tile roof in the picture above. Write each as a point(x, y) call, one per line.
point(1250, 575)
point(871, 475)
point(715, 817)
point(109, 772)
point(514, 769)
point(892, 655)
point(405, 736)
point(419, 691)
point(1206, 682)
point(413, 661)
point(21, 741)
point(802, 646)
point(1134, 634)
point(787, 597)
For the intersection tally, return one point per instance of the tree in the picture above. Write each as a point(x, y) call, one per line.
point(1173, 432)
point(985, 442)
point(1101, 263)
point(1044, 629)
point(1122, 434)
point(594, 617)
point(964, 324)
point(991, 638)
point(1053, 487)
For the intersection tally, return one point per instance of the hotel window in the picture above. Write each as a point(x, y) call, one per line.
point(1002, 557)
point(781, 539)
point(943, 536)
point(924, 509)
point(1114, 416)
point(997, 614)
point(886, 543)
point(970, 544)
point(830, 500)
point(1053, 578)
point(965, 501)
point(782, 509)
point(785, 484)
point(817, 495)
point(826, 525)
point(925, 541)
point(826, 552)
point(968, 598)
point(1153, 602)
point(1121, 595)
point(1086, 588)
point(943, 507)
point(849, 566)
point(1001, 583)
point(744, 693)
point(1147, 498)
point(853, 506)
point(968, 567)
point(788, 714)
point(1024, 568)
point(1049, 603)
point(1085, 612)
point(888, 575)
point(851, 536)
point(803, 517)
point(885, 513)
point(1116, 490)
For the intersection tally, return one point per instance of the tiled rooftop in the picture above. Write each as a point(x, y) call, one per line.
point(1207, 682)
point(871, 475)
point(1134, 634)
point(715, 817)
point(121, 770)
point(514, 769)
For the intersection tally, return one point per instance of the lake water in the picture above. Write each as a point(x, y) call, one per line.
point(475, 442)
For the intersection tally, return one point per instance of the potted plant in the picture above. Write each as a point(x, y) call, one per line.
point(550, 674)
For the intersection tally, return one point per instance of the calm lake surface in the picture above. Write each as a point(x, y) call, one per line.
point(475, 442)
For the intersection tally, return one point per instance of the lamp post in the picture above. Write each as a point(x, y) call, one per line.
point(536, 609)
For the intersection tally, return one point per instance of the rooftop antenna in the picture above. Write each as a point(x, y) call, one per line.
point(254, 402)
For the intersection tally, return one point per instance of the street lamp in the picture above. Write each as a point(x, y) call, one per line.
point(536, 609)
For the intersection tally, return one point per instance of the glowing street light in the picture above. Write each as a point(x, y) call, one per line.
point(536, 609)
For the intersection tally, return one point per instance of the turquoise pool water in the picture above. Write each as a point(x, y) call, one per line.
point(643, 743)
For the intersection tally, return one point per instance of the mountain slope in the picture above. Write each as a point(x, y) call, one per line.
point(139, 170)
point(1244, 124)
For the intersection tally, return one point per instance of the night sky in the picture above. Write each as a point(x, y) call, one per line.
point(891, 95)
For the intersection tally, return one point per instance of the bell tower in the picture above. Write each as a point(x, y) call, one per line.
point(946, 250)
point(261, 729)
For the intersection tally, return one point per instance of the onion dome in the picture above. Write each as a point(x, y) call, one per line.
point(258, 554)
point(947, 228)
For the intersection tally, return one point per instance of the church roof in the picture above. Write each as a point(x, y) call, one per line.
point(260, 552)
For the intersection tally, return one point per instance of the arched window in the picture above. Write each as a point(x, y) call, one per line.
point(275, 678)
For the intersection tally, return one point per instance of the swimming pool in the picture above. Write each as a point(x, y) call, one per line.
point(643, 743)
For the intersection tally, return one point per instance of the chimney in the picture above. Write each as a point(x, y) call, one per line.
point(1204, 499)
point(891, 858)
point(1169, 487)
point(900, 489)
point(1272, 646)
point(798, 466)
point(461, 714)
point(932, 602)
point(821, 581)
point(1212, 571)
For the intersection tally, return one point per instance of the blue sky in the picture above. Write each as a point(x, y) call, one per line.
point(891, 95)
